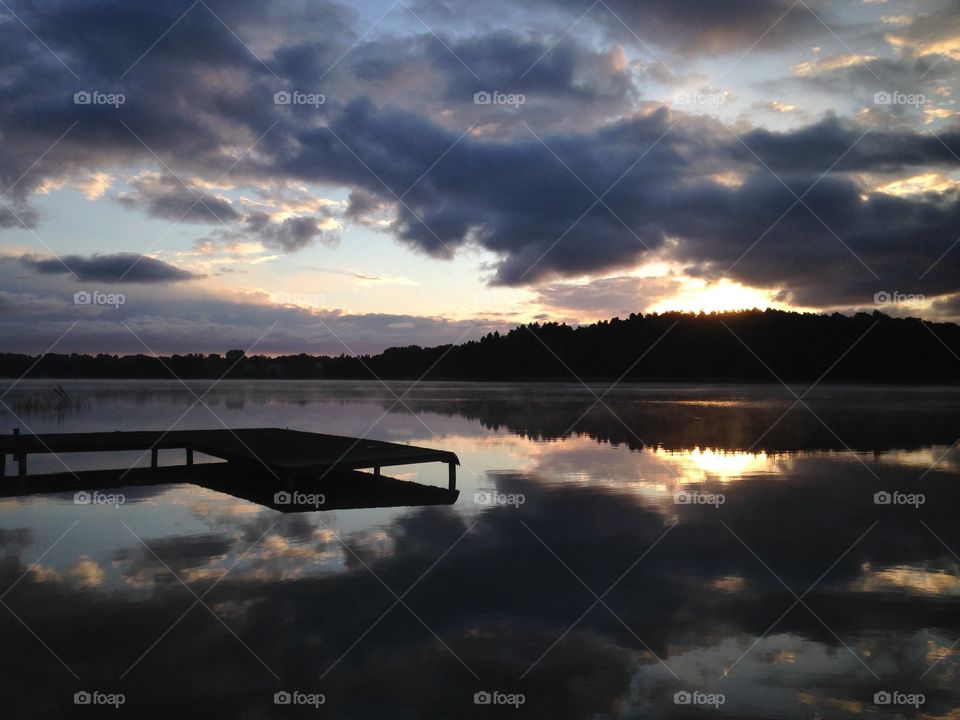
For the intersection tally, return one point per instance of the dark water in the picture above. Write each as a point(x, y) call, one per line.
point(782, 589)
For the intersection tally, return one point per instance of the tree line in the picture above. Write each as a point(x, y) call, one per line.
point(744, 346)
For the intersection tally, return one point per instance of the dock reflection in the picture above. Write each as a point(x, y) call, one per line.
point(339, 490)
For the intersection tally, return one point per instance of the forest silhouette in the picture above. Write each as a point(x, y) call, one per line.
point(745, 346)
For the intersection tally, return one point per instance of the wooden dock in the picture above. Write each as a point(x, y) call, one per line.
point(284, 454)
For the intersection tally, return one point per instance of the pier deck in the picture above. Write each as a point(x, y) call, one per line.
point(285, 454)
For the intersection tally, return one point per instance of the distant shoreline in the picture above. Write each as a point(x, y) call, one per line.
point(575, 382)
point(754, 346)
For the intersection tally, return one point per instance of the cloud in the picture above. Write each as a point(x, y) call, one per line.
point(607, 297)
point(119, 267)
point(292, 233)
point(22, 217)
point(852, 83)
point(520, 186)
point(948, 307)
point(781, 107)
point(87, 573)
point(169, 198)
point(37, 307)
point(685, 27)
point(367, 279)
point(363, 205)
point(929, 34)
point(832, 62)
point(530, 201)
point(257, 232)
point(274, 225)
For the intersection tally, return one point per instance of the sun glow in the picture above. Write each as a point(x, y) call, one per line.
point(926, 182)
point(700, 464)
point(699, 295)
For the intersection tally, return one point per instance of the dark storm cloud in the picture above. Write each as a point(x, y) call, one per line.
point(816, 147)
point(119, 267)
point(199, 98)
point(385, 133)
point(514, 198)
point(163, 96)
point(169, 198)
point(363, 204)
point(689, 27)
point(23, 217)
point(290, 234)
point(839, 248)
point(531, 202)
point(510, 63)
point(563, 86)
point(287, 235)
point(695, 27)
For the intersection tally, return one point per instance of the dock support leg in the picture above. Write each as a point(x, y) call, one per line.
point(452, 476)
point(153, 457)
point(22, 462)
point(376, 471)
point(189, 456)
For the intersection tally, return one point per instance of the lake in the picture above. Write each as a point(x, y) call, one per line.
point(651, 551)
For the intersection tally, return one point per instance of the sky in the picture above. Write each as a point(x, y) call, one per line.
point(310, 176)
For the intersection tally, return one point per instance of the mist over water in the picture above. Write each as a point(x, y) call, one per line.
point(662, 551)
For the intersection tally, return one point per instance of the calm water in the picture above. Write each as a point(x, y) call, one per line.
point(589, 589)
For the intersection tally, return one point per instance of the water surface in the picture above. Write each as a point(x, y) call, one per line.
point(609, 550)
